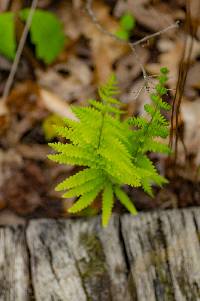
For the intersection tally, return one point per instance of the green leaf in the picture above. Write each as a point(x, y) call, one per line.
point(122, 34)
point(49, 128)
point(84, 188)
point(46, 33)
point(79, 178)
point(124, 199)
point(127, 22)
point(84, 201)
point(7, 35)
point(107, 204)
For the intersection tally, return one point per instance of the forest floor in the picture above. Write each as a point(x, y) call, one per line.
point(27, 177)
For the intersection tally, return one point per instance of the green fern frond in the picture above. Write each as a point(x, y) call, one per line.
point(79, 178)
point(63, 131)
point(147, 186)
point(112, 151)
point(124, 199)
point(156, 147)
point(139, 122)
point(85, 187)
point(74, 151)
point(109, 89)
point(105, 107)
point(84, 201)
point(107, 204)
point(71, 160)
point(159, 102)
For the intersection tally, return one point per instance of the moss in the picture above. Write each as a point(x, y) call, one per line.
point(159, 259)
point(190, 290)
point(163, 282)
point(96, 264)
point(93, 268)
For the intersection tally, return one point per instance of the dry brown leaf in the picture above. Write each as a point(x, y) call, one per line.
point(8, 218)
point(105, 50)
point(24, 110)
point(76, 85)
point(192, 86)
point(33, 151)
point(190, 113)
point(4, 5)
point(153, 17)
point(127, 68)
point(55, 104)
point(171, 53)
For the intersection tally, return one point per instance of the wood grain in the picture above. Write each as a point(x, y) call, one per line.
point(154, 256)
point(14, 265)
point(163, 250)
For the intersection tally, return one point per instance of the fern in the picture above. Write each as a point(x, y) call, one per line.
point(112, 152)
point(107, 203)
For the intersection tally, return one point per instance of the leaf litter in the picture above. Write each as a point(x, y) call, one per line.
point(27, 178)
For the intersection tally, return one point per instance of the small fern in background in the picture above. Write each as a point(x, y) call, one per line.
point(112, 152)
point(127, 24)
point(7, 35)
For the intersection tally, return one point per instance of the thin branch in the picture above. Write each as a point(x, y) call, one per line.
point(22, 41)
point(155, 34)
point(130, 44)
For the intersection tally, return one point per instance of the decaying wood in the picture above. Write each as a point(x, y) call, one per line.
point(76, 260)
point(164, 255)
point(14, 266)
point(154, 256)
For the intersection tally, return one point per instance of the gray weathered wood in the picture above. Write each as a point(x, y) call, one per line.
point(77, 260)
point(163, 250)
point(154, 257)
point(53, 268)
point(14, 266)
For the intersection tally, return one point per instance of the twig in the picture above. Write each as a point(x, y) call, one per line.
point(158, 33)
point(132, 45)
point(19, 51)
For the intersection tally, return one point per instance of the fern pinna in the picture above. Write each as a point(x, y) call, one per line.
point(113, 152)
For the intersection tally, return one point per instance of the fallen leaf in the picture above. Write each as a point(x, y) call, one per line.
point(56, 105)
point(190, 112)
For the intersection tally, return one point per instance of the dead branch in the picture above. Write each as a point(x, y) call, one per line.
point(132, 45)
point(19, 51)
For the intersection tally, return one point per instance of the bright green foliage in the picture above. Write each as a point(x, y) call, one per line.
point(149, 129)
point(48, 126)
point(46, 33)
point(124, 199)
point(7, 35)
point(112, 152)
point(127, 24)
point(122, 34)
point(107, 203)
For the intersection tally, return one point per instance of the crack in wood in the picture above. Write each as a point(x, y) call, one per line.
point(31, 291)
point(155, 256)
point(130, 281)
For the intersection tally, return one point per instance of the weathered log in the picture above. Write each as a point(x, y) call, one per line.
point(154, 257)
point(14, 264)
point(77, 260)
point(164, 255)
